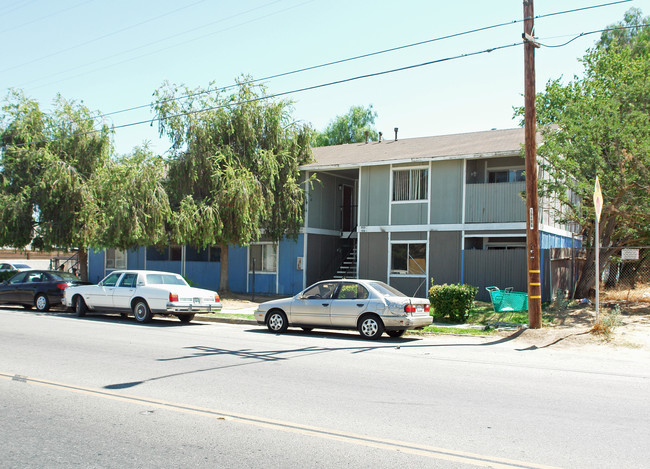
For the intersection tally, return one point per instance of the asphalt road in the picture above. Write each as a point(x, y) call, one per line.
point(105, 392)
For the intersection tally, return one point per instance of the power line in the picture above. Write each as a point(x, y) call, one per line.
point(126, 28)
point(362, 56)
point(5, 31)
point(285, 93)
point(618, 28)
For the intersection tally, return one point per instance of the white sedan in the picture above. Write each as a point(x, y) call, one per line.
point(145, 293)
point(369, 306)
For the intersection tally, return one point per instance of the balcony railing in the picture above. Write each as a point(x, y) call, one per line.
point(495, 203)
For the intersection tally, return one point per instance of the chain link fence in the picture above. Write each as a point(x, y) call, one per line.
point(625, 273)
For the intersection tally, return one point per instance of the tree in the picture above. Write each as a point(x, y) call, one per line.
point(46, 162)
point(349, 128)
point(129, 203)
point(599, 125)
point(233, 170)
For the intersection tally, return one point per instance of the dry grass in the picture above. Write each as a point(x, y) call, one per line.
point(641, 293)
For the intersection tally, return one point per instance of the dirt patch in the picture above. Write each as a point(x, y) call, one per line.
point(626, 324)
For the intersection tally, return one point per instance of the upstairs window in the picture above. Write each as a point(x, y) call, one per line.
point(410, 184)
point(506, 175)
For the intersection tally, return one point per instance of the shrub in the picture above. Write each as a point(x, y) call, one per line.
point(453, 301)
point(7, 275)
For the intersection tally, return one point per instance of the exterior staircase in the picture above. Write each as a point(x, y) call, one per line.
point(348, 268)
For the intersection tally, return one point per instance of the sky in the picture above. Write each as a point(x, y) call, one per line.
point(113, 55)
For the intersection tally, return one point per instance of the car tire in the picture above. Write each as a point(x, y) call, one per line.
point(42, 303)
point(371, 327)
point(185, 317)
point(396, 334)
point(142, 312)
point(80, 307)
point(277, 322)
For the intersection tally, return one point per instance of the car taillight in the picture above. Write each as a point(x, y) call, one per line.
point(427, 308)
point(217, 299)
point(173, 297)
point(409, 309)
point(62, 286)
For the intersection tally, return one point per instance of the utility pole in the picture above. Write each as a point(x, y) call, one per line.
point(532, 226)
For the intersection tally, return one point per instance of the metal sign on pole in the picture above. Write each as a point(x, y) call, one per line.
point(598, 207)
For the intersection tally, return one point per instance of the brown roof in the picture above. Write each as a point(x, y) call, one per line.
point(468, 145)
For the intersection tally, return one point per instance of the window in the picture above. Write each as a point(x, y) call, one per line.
point(115, 259)
point(209, 254)
point(408, 259)
point(20, 278)
point(506, 175)
point(319, 291)
point(129, 280)
point(352, 291)
point(165, 279)
point(410, 184)
point(111, 279)
point(263, 257)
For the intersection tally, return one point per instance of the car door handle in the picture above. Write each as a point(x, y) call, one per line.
point(360, 305)
point(326, 304)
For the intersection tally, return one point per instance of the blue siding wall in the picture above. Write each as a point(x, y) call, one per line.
point(203, 274)
point(237, 258)
point(95, 265)
point(264, 283)
point(291, 279)
point(135, 259)
point(548, 241)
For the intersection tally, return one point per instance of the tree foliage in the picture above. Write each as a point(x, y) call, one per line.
point(348, 128)
point(233, 171)
point(599, 125)
point(47, 160)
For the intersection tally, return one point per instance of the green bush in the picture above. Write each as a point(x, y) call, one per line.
point(452, 301)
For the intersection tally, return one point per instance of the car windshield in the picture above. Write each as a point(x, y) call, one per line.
point(165, 279)
point(385, 290)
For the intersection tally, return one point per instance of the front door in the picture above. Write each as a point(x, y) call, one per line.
point(346, 209)
point(123, 293)
point(312, 308)
point(102, 296)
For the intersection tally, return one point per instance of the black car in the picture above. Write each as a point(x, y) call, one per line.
point(40, 288)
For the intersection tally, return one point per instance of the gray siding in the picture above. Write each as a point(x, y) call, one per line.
point(414, 213)
point(446, 181)
point(411, 286)
point(375, 195)
point(499, 268)
point(495, 203)
point(373, 256)
point(444, 257)
point(325, 200)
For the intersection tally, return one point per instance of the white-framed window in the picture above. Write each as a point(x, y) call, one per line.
point(410, 184)
point(115, 259)
point(408, 258)
point(263, 257)
point(505, 175)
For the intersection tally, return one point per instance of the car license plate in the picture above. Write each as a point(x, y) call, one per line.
point(419, 309)
point(197, 301)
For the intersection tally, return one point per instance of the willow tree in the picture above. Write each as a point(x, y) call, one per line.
point(46, 162)
point(599, 125)
point(129, 203)
point(233, 168)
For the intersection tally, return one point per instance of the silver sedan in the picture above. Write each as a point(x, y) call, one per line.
point(369, 306)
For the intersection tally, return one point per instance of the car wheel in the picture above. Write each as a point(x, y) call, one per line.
point(42, 303)
point(142, 312)
point(80, 307)
point(277, 322)
point(185, 317)
point(371, 327)
point(399, 333)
